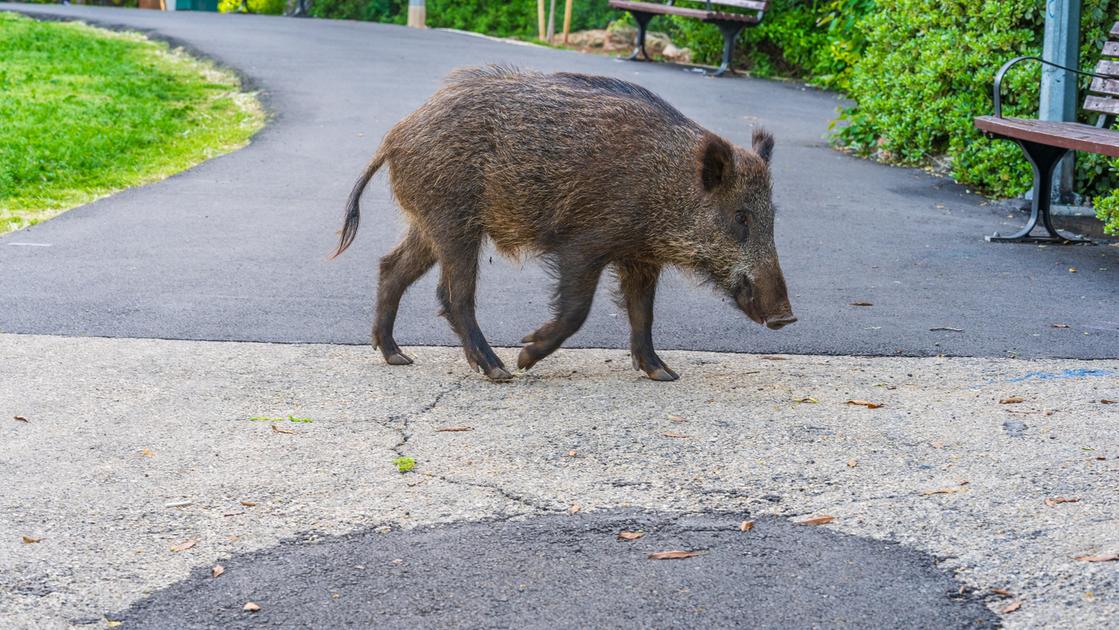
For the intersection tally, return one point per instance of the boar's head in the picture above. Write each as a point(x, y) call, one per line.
point(734, 243)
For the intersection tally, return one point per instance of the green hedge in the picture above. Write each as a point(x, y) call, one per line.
point(510, 18)
point(927, 71)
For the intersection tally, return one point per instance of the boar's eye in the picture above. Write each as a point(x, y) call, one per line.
point(740, 217)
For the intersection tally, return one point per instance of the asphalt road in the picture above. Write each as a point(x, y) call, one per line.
point(235, 249)
point(574, 572)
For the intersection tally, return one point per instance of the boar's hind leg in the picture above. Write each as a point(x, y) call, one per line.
point(639, 287)
point(459, 262)
point(399, 269)
point(578, 279)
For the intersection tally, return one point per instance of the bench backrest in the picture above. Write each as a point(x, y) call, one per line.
point(1103, 92)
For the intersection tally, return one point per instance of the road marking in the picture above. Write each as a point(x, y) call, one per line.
point(30, 244)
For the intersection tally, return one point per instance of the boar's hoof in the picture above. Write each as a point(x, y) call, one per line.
point(498, 374)
point(662, 374)
point(398, 358)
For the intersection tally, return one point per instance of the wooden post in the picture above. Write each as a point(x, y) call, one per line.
point(540, 16)
point(567, 21)
point(417, 14)
point(552, 22)
point(1060, 45)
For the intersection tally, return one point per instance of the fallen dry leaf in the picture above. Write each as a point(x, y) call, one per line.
point(276, 429)
point(251, 607)
point(1055, 500)
point(574, 509)
point(817, 520)
point(1060, 325)
point(865, 403)
point(249, 503)
point(217, 570)
point(678, 436)
point(30, 540)
point(21, 419)
point(1013, 400)
point(862, 304)
point(771, 357)
point(1002, 592)
point(946, 329)
point(147, 452)
point(673, 555)
point(453, 429)
point(1108, 557)
point(936, 444)
point(572, 453)
point(630, 535)
point(851, 463)
point(746, 526)
point(807, 399)
point(1012, 606)
point(113, 623)
point(1103, 401)
point(1072, 269)
point(675, 418)
point(183, 546)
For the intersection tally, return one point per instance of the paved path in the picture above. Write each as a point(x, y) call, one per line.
point(120, 431)
point(235, 248)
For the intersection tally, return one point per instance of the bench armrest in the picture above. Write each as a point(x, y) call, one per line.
point(1010, 64)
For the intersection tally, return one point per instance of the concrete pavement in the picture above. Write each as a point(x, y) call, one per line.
point(119, 432)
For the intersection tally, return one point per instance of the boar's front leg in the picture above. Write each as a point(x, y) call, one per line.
point(578, 279)
point(639, 287)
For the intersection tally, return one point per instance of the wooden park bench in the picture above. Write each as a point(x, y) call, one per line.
point(730, 24)
point(1045, 142)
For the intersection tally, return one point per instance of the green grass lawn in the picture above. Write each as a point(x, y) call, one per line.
point(85, 112)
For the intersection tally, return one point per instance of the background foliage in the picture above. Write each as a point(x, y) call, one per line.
point(268, 7)
point(507, 18)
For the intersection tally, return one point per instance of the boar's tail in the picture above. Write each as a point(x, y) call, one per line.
point(353, 212)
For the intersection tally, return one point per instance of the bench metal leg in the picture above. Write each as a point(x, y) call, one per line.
point(730, 31)
point(1043, 159)
point(643, 20)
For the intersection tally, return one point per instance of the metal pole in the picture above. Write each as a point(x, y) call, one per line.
point(417, 14)
point(1058, 87)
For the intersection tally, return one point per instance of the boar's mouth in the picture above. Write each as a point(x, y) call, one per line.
point(747, 301)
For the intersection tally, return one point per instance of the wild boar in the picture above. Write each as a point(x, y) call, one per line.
point(587, 172)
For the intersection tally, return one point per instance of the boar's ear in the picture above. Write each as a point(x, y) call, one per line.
point(763, 144)
point(717, 162)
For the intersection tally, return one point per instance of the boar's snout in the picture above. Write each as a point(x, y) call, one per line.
point(766, 300)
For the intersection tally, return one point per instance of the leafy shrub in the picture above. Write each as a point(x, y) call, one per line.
point(815, 39)
point(269, 7)
point(514, 18)
point(927, 71)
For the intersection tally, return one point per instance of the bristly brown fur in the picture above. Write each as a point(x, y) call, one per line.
point(588, 171)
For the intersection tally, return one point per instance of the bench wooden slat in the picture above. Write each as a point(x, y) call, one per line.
point(1105, 86)
point(1102, 105)
point(1111, 49)
point(1114, 30)
point(1108, 68)
point(699, 14)
point(1066, 135)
